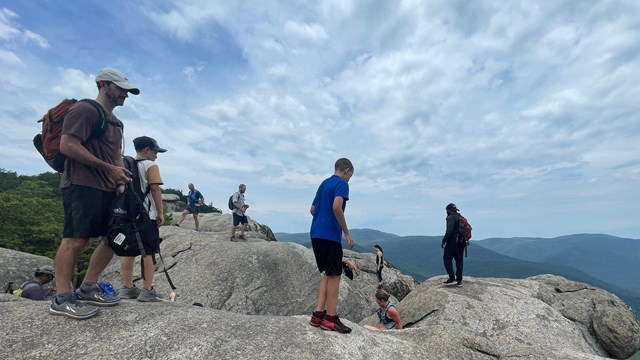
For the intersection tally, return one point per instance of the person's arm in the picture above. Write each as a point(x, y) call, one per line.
point(156, 194)
point(71, 146)
point(312, 210)
point(451, 221)
point(394, 315)
point(378, 260)
point(339, 214)
point(201, 199)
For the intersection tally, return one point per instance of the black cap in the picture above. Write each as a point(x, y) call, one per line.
point(142, 142)
point(452, 207)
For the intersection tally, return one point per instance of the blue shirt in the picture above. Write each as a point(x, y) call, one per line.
point(324, 224)
point(194, 197)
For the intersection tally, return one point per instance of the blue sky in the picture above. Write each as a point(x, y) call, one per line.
point(524, 113)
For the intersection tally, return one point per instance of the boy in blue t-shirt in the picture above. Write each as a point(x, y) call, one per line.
point(327, 227)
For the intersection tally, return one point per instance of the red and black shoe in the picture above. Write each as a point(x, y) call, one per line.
point(333, 323)
point(316, 318)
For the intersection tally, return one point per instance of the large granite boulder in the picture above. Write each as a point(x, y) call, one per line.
point(525, 318)
point(18, 267)
point(221, 223)
point(255, 277)
point(395, 282)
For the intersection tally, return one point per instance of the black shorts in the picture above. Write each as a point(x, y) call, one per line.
point(150, 237)
point(239, 219)
point(87, 211)
point(328, 256)
point(193, 209)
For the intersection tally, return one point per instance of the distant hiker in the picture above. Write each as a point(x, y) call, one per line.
point(94, 172)
point(239, 209)
point(387, 313)
point(452, 248)
point(194, 200)
point(327, 227)
point(33, 289)
point(147, 150)
point(379, 263)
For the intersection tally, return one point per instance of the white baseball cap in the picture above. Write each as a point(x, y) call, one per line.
point(116, 77)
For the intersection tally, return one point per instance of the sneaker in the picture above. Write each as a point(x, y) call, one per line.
point(241, 237)
point(459, 283)
point(334, 324)
point(449, 281)
point(316, 318)
point(176, 224)
point(73, 308)
point(97, 297)
point(128, 293)
point(149, 295)
point(233, 238)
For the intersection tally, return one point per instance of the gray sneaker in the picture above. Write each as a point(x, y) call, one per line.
point(233, 238)
point(241, 237)
point(128, 293)
point(97, 297)
point(73, 308)
point(149, 296)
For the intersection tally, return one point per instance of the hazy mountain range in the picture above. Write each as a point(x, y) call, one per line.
point(605, 261)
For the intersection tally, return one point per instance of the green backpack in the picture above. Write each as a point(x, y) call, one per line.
point(231, 206)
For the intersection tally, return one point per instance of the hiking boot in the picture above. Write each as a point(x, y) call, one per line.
point(333, 323)
point(149, 295)
point(241, 237)
point(73, 308)
point(459, 282)
point(176, 224)
point(316, 318)
point(97, 297)
point(233, 238)
point(449, 281)
point(128, 293)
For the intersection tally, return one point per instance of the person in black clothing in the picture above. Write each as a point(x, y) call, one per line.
point(452, 250)
point(379, 263)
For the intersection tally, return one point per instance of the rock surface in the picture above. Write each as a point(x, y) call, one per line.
point(18, 267)
point(257, 297)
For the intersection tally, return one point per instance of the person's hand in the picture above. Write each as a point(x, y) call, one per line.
point(119, 189)
point(442, 245)
point(350, 241)
point(120, 174)
point(160, 219)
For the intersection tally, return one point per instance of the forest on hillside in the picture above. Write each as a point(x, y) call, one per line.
point(32, 217)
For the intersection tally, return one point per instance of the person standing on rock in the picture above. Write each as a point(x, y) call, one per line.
point(147, 150)
point(238, 213)
point(94, 173)
point(327, 227)
point(452, 249)
point(379, 263)
point(194, 200)
point(387, 313)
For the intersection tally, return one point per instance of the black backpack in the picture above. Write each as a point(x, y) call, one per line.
point(129, 218)
point(130, 222)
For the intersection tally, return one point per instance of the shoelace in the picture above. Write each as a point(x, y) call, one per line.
point(74, 300)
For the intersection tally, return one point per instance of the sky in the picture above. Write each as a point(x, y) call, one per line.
point(523, 113)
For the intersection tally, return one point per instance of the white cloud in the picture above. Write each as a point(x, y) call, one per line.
point(500, 107)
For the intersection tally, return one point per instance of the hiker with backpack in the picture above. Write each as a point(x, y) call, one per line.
point(93, 173)
point(194, 200)
point(387, 313)
point(454, 243)
point(33, 289)
point(148, 190)
point(238, 212)
point(327, 226)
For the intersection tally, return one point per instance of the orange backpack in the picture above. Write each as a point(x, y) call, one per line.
point(48, 141)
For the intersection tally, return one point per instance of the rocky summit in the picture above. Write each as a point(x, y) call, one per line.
point(257, 297)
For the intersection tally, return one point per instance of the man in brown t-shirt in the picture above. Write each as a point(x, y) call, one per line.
point(94, 172)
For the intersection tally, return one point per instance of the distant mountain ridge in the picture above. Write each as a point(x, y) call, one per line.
point(421, 257)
